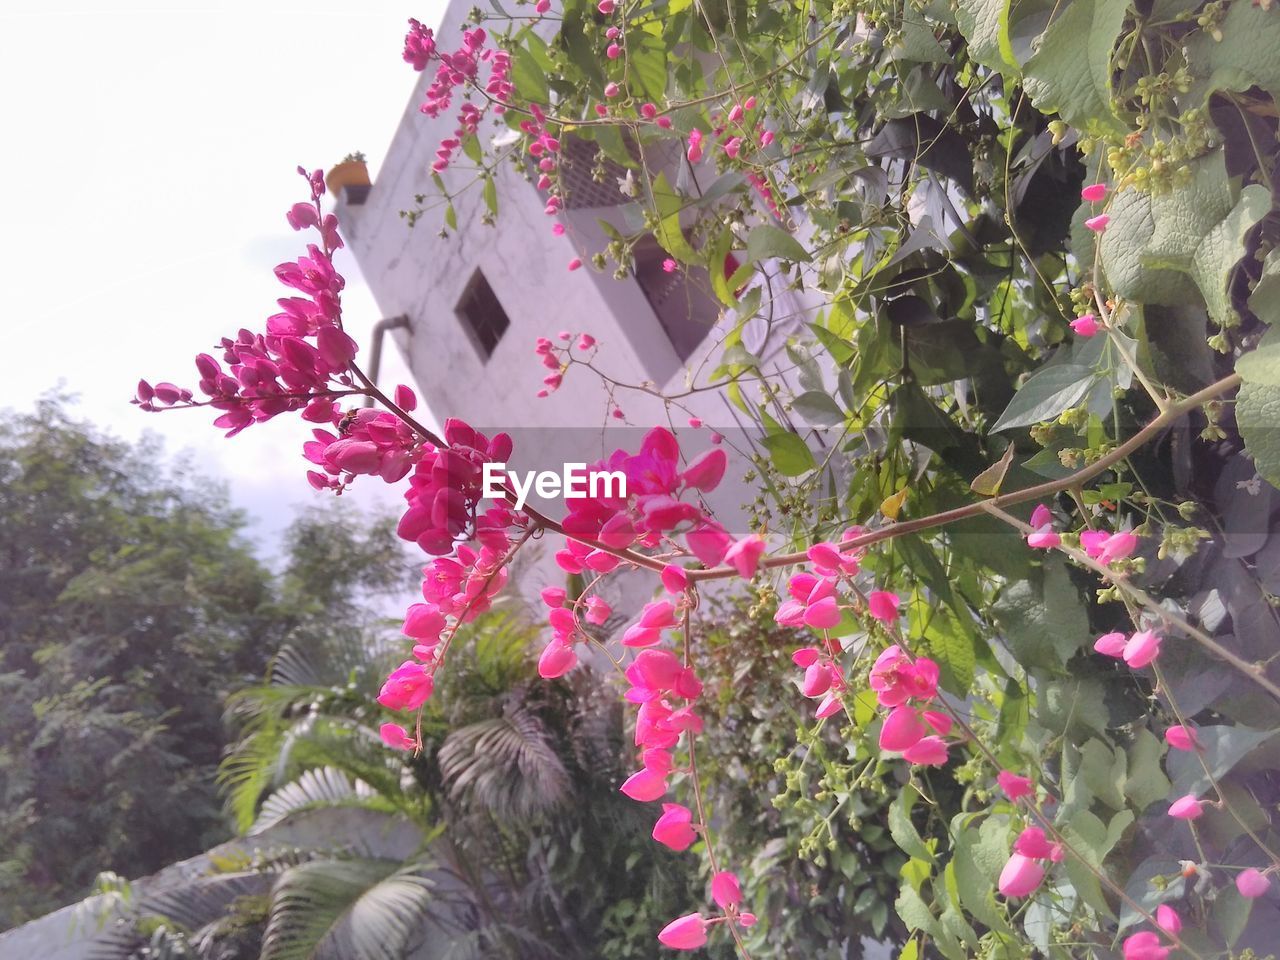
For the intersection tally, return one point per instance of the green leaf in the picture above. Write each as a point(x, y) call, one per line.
point(789, 453)
point(490, 195)
point(985, 24)
point(1070, 74)
point(903, 830)
point(818, 408)
point(1146, 781)
point(1265, 299)
point(1262, 364)
point(767, 241)
point(529, 78)
point(1245, 56)
point(668, 231)
point(841, 350)
point(1047, 393)
point(1257, 416)
point(647, 64)
point(1231, 915)
point(1043, 617)
point(1155, 247)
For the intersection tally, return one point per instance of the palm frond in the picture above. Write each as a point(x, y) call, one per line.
point(348, 909)
point(506, 765)
point(317, 787)
point(184, 908)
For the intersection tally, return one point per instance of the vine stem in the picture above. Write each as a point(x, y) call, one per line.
point(698, 803)
point(1167, 418)
point(1144, 599)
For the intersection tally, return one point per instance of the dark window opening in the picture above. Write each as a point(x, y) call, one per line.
point(682, 300)
point(482, 315)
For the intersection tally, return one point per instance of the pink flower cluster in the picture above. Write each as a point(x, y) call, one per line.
point(665, 690)
point(909, 728)
point(457, 69)
point(1101, 545)
point(690, 931)
point(446, 488)
point(302, 358)
point(1024, 871)
point(661, 501)
point(1137, 650)
point(372, 442)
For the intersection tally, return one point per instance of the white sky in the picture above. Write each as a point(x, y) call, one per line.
point(151, 158)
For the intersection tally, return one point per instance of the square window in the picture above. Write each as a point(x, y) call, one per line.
point(482, 315)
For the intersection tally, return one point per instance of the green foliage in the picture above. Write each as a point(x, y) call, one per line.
point(129, 606)
point(927, 168)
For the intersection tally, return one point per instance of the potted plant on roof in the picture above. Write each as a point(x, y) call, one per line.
point(353, 173)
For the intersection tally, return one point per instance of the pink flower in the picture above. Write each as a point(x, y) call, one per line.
point(1142, 648)
point(883, 605)
point(1033, 843)
point(1094, 192)
point(606, 6)
point(613, 52)
point(674, 828)
point(706, 471)
point(575, 263)
point(586, 341)
point(732, 147)
point(1186, 808)
point(557, 229)
point(725, 890)
point(407, 687)
point(1099, 223)
point(695, 422)
point(674, 579)
point(405, 398)
point(1144, 946)
point(554, 596)
point(1167, 919)
point(542, 6)
point(1108, 547)
point(1085, 325)
point(895, 679)
point(695, 145)
point(1043, 540)
point(648, 111)
point(902, 729)
point(928, 751)
point(669, 265)
point(1014, 786)
point(684, 933)
point(817, 679)
point(1252, 883)
point(597, 611)
point(1020, 876)
point(423, 621)
point(823, 615)
point(394, 735)
point(557, 659)
point(1111, 644)
point(610, 89)
point(645, 785)
point(744, 555)
point(664, 122)
point(1181, 738)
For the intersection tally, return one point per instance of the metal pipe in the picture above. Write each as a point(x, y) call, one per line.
point(375, 353)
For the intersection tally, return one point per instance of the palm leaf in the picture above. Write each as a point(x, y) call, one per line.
point(349, 909)
point(318, 787)
point(506, 765)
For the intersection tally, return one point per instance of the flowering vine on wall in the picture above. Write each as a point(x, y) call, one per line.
point(1044, 244)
